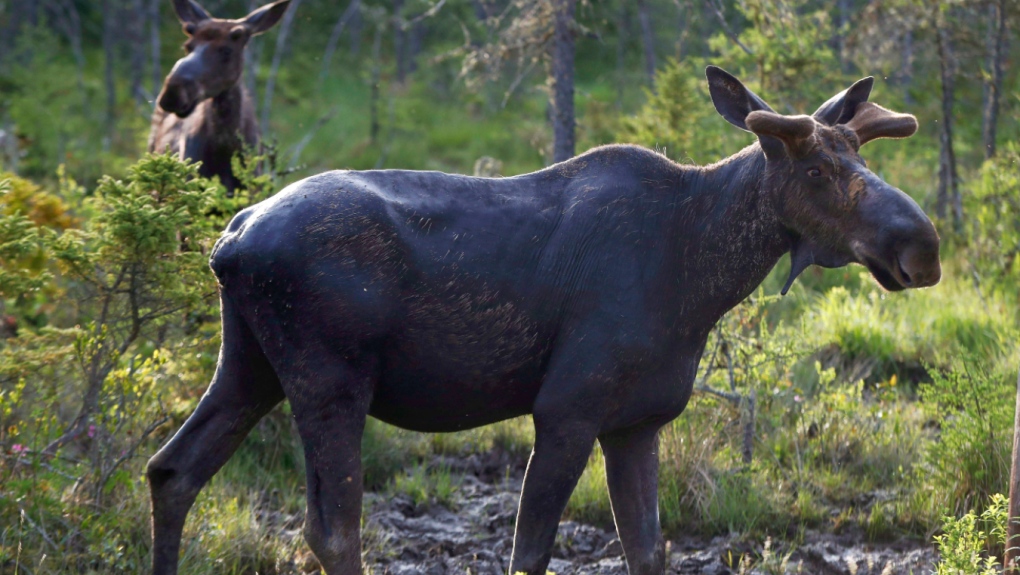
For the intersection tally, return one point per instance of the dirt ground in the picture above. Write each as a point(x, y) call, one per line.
point(404, 539)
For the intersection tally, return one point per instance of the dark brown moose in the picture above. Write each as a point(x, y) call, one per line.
point(203, 112)
point(582, 294)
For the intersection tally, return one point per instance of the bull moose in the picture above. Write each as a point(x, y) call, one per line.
point(203, 112)
point(582, 294)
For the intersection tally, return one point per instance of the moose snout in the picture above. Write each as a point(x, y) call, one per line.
point(179, 97)
point(898, 241)
point(919, 261)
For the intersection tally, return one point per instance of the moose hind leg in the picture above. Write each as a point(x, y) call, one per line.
point(243, 390)
point(330, 401)
point(632, 472)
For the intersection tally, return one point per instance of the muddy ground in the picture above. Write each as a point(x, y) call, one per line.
point(474, 535)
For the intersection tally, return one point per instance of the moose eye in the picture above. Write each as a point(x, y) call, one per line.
point(814, 173)
point(189, 29)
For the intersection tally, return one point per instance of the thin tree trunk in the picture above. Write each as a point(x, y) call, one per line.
point(334, 37)
point(841, 29)
point(747, 413)
point(109, 29)
point(622, 25)
point(357, 30)
point(683, 26)
point(136, 42)
point(563, 81)
point(948, 191)
point(274, 68)
point(415, 42)
point(399, 41)
point(252, 56)
point(647, 39)
point(1012, 560)
point(907, 65)
point(373, 108)
point(154, 47)
point(993, 84)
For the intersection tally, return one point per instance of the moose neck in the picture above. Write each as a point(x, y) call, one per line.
point(729, 235)
point(225, 114)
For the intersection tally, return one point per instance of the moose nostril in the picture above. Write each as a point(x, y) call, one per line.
point(907, 281)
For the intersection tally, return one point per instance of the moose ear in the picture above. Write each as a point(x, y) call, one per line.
point(732, 99)
point(190, 12)
point(793, 131)
point(841, 107)
point(873, 121)
point(265, 17)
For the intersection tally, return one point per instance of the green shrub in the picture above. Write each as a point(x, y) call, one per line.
point(972, 403)
point(965, 542)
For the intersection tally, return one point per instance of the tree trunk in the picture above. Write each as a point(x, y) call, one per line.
point(907, 65)
point(136, 42)
point(334, 36)
point(841, 29)
point(948, 191)
point(647, 39)
point(399, 41)
point(563, 81)
point(1012, 560)
point(622, 26)
point(357, 25)
point(993, 83)
point(376, 74)
point(252, 56)
point(109, 30)
point(274, 68)
point(415, 43)
point(154, 47)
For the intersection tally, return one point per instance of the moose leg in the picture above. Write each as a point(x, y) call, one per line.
point(330, 408)
point(632, 471)
point(243, 390)
point(561, 451)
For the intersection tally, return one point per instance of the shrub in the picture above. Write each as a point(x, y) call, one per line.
point(973, 405)
point(967, 545)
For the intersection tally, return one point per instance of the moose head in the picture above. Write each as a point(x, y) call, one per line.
point(836, 209)
point(215, 54)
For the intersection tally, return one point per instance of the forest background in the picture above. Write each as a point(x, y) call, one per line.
point(837, 407)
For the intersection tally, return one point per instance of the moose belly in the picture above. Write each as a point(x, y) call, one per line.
point(437, 394)
point(452, 369)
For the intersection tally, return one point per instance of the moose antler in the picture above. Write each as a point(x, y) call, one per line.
point(794, 131)
point(873, 121)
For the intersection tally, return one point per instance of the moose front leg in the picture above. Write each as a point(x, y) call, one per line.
point(632, 472)
point(561, 451)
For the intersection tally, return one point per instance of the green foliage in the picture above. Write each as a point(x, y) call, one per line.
point(874, 335)
point(994, 209)
point(973, 404)
point(130, 277)
point(20, 239)
point(964, 544)
point(426, 485)
point(678, 118)
point(788, 56)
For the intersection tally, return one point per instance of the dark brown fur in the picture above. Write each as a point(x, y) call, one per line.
point(203, 112)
